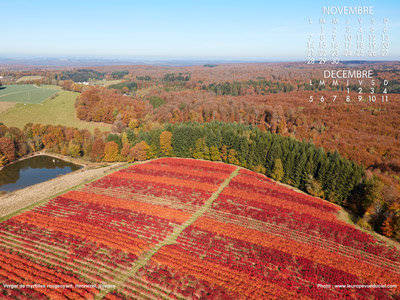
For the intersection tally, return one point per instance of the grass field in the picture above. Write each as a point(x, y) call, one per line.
point(25, 93)
point(29, 78)
point(57, 111)
point(107, 82)
point(51, 87)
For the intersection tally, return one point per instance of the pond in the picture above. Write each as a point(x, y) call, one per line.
point(33, 170)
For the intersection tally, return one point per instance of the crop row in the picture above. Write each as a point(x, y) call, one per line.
point(242, 199)
point(248, 180)
point(181, 170)
point(191, 195)
point(366, 272)
point(303, 236)
point(172, 172)
point(165, 202)
point(26, 272)
point(198, 165)
point(255, 266)
point(163, 215)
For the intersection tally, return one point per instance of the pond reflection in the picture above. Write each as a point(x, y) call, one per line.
point(33, 170)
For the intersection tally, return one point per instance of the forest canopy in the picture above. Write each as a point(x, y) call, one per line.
point(82, 75)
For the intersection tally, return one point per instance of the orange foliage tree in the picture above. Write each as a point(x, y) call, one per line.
point(7, 149)
point(140, 151)
point(97, 150)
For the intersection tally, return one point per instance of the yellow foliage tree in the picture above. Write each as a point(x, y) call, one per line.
point(232, 159)
point(201, 151)
point(278, 172)
point(214, 154)
point(111, 152)
point(74, 148)
point(165, 142)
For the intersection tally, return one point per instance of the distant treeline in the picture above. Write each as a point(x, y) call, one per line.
point(260, 87)
point(179, 77)
point(145, 78)
point(119, 74)
point(81, 75)
point(131, 86)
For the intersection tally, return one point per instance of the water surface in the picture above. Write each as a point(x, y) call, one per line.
point(33, 170)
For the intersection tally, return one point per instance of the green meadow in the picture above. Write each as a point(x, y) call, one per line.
point(57, 111)
point(29, 78)
point(25, 93)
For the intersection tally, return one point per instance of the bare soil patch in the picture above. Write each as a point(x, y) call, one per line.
point(4, 106)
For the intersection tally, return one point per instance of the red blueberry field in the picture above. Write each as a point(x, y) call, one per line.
point(189, 229)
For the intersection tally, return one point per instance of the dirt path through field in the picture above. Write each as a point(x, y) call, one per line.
point(12, 202)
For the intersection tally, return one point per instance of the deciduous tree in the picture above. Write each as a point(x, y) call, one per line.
point(7, 149)
point(140, 151)
point(111, 151)
point(277, 172)
point(97, 150)
point(165, 143)
point(214, 154)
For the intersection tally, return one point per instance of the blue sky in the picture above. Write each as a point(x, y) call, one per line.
point(248, 30)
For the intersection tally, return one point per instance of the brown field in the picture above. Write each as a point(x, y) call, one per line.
point(5, 105)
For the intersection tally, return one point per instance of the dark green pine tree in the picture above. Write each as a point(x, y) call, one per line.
point(243, 150)
point(285, 149)
point(310, 152)
point(155, 141)
point(343, 183)
point(308, 170)
point(289, 162)
point(184, 137)
point(288, 166)
point(274, 152)
point(322, 171)
point(229, 139)
point(212, 139)
point(251, 158)
point(331, 176)
point(299, 169)
point(263, 144)
point(319, 157)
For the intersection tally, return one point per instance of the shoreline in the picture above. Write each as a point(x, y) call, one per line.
point(78, 161)
point(11, 203)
